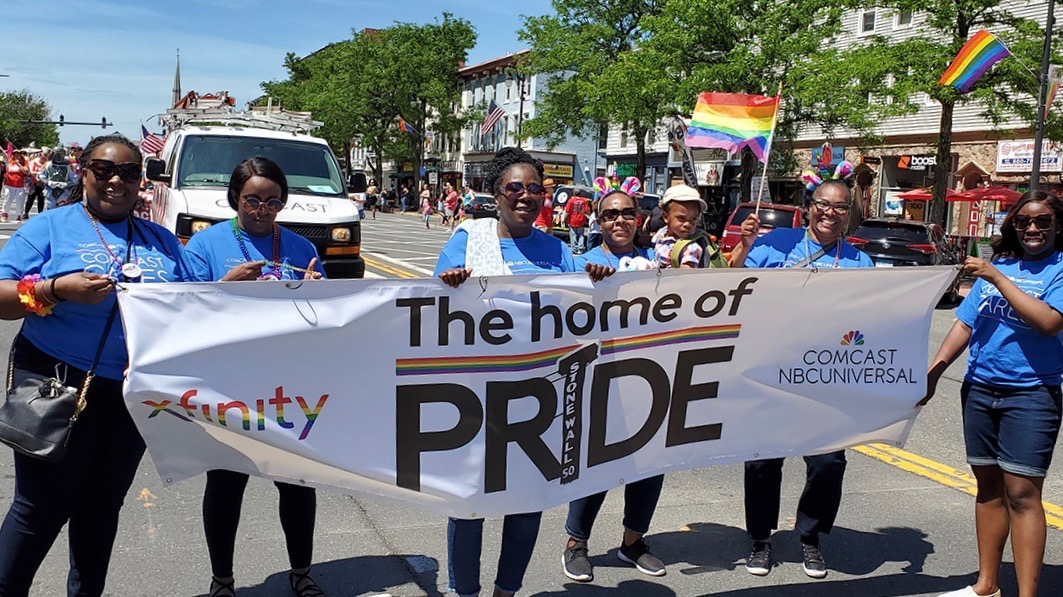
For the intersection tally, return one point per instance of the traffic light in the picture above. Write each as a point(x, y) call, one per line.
point(61, 120)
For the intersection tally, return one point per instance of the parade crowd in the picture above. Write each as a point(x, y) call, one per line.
point(1010, 323)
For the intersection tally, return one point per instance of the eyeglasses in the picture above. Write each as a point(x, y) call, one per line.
point(516, 188)
point(612, 215)
point(839, 208)
point(106, 169)
point(1043, 221)
point(273, 206)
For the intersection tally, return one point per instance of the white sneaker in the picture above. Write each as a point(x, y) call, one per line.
point(968, 592)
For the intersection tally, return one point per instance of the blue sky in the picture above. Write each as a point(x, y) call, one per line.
point(115, 58)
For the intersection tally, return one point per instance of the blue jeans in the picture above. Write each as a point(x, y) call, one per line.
point(86, 489)
point(465, 542)
point(577, 239)
point(1013, 428)
point(640, 501)
point(819, 503)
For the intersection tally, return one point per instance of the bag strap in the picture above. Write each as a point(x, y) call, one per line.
point(820, 253)
point(680, 245)
point(96, 359)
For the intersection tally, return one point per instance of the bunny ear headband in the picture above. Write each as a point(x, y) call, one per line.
point(814, 179)
point(604, 186)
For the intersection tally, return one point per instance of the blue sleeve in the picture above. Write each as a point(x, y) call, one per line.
point(199, 261)
point(21, 257)
point(568, 262)
point(453, 253)
point(1053, 296)
point(967, 312)
point(758, 255)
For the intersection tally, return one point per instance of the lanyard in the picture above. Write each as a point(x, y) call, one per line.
point(130, 269)
point(812, 257)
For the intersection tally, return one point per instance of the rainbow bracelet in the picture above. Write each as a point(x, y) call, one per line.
point(27, 295)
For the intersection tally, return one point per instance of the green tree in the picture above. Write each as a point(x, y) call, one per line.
point(1008, 91)
point(600, 76)
point(17, 109)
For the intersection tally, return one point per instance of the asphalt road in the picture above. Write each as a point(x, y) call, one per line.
point(906, 525)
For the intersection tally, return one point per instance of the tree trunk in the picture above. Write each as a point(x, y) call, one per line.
point(750, 168)
point(942, 166)
point(640, 156)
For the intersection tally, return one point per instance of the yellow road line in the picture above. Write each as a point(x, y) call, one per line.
point(389, 269)
point(943, 474)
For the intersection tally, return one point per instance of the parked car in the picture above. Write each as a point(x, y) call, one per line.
point(772, 216)
point(561, 197)
point(483, 206)
point(894, 242)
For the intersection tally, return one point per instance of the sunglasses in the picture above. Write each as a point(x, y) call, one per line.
point(612, 215)
point(839, 208)
point(272, 206)
point(1043, 221)
point(106, 169)
point(516, 188)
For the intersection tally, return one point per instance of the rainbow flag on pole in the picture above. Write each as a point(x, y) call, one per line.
point(976, 56)
point(732, 121)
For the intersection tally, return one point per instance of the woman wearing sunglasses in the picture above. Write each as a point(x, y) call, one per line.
point(252, 246)
point(488, 247)
point(1010, 322)
point(58, 274)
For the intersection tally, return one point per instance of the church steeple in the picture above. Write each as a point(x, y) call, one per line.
point(177, 81)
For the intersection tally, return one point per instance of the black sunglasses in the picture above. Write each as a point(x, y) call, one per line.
point(517, 188)
point(106, 169)
point(273, 206)
point(612, 215)
point(1043, 221)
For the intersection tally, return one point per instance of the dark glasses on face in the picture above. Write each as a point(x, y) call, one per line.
point(1043, 221)
point(106, 169)
point(612, 215)
point(516, 188)
point(273, 206)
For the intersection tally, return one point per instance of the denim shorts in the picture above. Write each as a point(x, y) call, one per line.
point(1013, 428)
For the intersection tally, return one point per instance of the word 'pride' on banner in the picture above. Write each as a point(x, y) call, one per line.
point(529, 393)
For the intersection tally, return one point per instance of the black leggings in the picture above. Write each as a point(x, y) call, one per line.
point(222, 501)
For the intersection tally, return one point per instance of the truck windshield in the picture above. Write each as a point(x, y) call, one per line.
point(209, 160)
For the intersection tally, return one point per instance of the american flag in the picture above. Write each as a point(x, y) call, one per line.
point(150, 143)
point(494, 114)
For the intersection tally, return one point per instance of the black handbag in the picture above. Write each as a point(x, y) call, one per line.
point(40, 410)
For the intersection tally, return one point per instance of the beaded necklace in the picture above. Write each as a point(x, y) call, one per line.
point(275, 273)
point(130, 269)
point(837, 251)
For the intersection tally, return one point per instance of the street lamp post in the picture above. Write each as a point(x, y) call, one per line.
point(1035, 167)
point(520, 114)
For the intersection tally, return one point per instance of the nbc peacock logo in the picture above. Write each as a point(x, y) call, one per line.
point(853, 338)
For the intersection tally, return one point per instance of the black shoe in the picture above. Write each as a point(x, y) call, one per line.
point(814, 564)
point(759, 561)
point(220, 589)
point(638, 554)
point(304, 586)
point(575, 563)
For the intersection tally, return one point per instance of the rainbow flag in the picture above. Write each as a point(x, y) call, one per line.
point(406, 128)
point(976, 56)
point(732, 121)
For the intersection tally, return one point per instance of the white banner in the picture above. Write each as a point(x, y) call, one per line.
point(517, 394)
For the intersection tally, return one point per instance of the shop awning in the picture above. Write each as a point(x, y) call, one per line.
point(1002, 194)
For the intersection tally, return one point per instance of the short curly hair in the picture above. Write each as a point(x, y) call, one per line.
point(506, 158)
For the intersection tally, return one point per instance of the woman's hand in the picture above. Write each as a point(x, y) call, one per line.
point(245, 271)
point(311, 271)
point(980, 268)
point(83, 287)
point(599, 272)
point(455, 276)
point(750, 228)
point(932, 377)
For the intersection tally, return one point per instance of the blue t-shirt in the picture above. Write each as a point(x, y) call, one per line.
point(786, 247)
point(536, 253)
point(215, 251)
point(1003, 350)
point(599, 256)
point(62, 241)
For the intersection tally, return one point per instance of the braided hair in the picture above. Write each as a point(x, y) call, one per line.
point(78, 192)
point(506, 158)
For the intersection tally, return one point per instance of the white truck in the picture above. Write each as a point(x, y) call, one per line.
point(191, 180)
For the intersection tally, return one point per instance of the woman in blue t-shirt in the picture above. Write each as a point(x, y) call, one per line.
point(252, 246)
point(58, 274)
point(1010, 323)
point(489, 247)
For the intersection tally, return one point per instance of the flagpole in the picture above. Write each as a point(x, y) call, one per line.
point(767, 152)
point(1038, 140)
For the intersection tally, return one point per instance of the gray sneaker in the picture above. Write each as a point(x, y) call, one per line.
point(814, 564)
point(575, 563)
point(759, 561)
point(638, 554)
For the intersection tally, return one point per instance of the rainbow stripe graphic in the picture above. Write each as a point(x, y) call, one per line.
point(547, 358)
point(976, 56)
point(732, 121)
point(698, 334)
